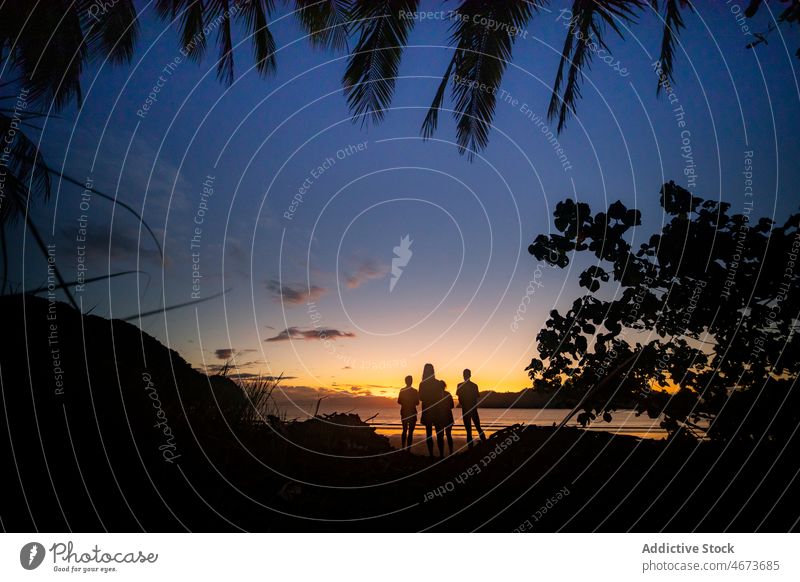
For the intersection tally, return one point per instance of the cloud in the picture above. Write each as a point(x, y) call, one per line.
point(224, 353)
point(235, 373)
point(294, 294)
point(266, 378)
point(215, 369)
point(228, 353)
point(367, 270)
point(297, 333)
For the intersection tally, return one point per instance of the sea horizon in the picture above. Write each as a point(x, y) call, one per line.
point(386, 419)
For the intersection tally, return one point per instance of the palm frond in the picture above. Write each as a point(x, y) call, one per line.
point(326, 21)
point(47, 44)
point(116, 201)
point(112, 31)
point(432, 117)
point(37, 237)
point(484, 32)
point(752, 8)
point(584, 30)
point(219, 12)
point(27, 172)
point(256, 14)
point(192, 21)
point(170, 8)
point(171, 307)
point(4, 251)
point(791, 13)
point(369, 78)
point(86, 281)
point(673, 23)
point(47, 47)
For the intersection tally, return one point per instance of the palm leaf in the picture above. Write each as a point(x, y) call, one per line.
point(29, 167)
point(255, 15)
point(17, 199)
point(483, 33)
point(589, 19)
point(171, 307)
point(4, 250)
point(673, 23)
point(752, 8)
point(28, 173)
point(432, 117)
point(369, 79)
point(218, 9)
point(112, 31)
point(47, 48)
point(116, 201)
point(49, 43)
point(326, 21)
point(191, 14)
point(68, 284)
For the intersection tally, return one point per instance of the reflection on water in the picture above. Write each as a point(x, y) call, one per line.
point(387, 420)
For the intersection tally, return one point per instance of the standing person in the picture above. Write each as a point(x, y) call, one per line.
point(467, 393)
point(408, 400)
point(447, 418)
point(431, 395)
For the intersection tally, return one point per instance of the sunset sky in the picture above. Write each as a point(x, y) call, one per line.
point(260, 141)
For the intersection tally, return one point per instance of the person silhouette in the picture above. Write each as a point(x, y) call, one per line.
point(467, 393)
point(431, 395)
point(447, 418)
point(408, 400)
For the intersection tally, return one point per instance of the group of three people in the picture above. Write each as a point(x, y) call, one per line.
point(437, 409)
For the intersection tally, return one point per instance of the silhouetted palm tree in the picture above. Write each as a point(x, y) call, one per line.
point(482, 40)
point(45, 46)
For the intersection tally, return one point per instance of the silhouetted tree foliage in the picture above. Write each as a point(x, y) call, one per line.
point(696, 323)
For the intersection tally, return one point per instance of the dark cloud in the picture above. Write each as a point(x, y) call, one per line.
point(228, 353)
point(294, 294)
point(251, 376)
point(297, 333)
point(367, 270)
point(231, 372)
point(239, 375)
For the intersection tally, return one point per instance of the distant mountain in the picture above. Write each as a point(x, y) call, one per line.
point(527, 398)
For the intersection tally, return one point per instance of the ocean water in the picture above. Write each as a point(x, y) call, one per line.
point(387, 420)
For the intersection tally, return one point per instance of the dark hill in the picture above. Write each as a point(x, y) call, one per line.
point(103, 419)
